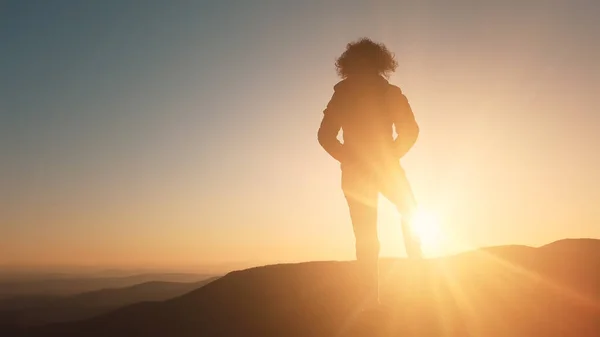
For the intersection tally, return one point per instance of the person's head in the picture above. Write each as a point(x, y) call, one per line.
point(365, 57)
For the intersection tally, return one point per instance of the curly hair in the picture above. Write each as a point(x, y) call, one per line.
point(365, 56)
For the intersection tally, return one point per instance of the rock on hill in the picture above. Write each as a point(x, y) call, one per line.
point(504, 291)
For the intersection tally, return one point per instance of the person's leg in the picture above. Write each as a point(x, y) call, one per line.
point(396, 188)
point(361, 195)
point(411, 242)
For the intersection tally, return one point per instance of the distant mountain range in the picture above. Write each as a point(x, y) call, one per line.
point(513, 291)
point(32, 310)
point(62, 285)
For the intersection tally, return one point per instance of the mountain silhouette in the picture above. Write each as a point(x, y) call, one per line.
point(548, 291)
point(63, 285)
point(86, 305)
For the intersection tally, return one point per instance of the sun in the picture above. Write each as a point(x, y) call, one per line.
point(426, 226)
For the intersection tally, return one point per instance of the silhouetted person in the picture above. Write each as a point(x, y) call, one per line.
point(367, 108)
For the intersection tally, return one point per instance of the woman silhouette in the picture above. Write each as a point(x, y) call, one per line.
point(367, 108)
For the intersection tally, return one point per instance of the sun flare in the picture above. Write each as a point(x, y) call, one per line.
point(426, 226)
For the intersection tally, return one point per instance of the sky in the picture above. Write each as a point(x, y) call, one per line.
point(183, 133)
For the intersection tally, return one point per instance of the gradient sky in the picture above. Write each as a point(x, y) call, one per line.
point(184, 132)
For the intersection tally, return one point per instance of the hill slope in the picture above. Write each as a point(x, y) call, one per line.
point(498, 292)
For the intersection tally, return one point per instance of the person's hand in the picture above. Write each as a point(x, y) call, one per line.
point(400, 150)
point(345, 156)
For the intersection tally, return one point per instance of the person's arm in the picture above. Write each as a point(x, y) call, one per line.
point(330, 127)
point(404, 122)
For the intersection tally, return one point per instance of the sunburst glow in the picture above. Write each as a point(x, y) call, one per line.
point(427, 227)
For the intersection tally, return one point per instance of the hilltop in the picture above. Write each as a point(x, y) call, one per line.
point(503, 291)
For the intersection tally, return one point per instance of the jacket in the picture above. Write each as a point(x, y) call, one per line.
point(367, 109)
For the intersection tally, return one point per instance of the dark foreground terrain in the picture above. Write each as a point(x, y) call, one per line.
point(507, 291)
